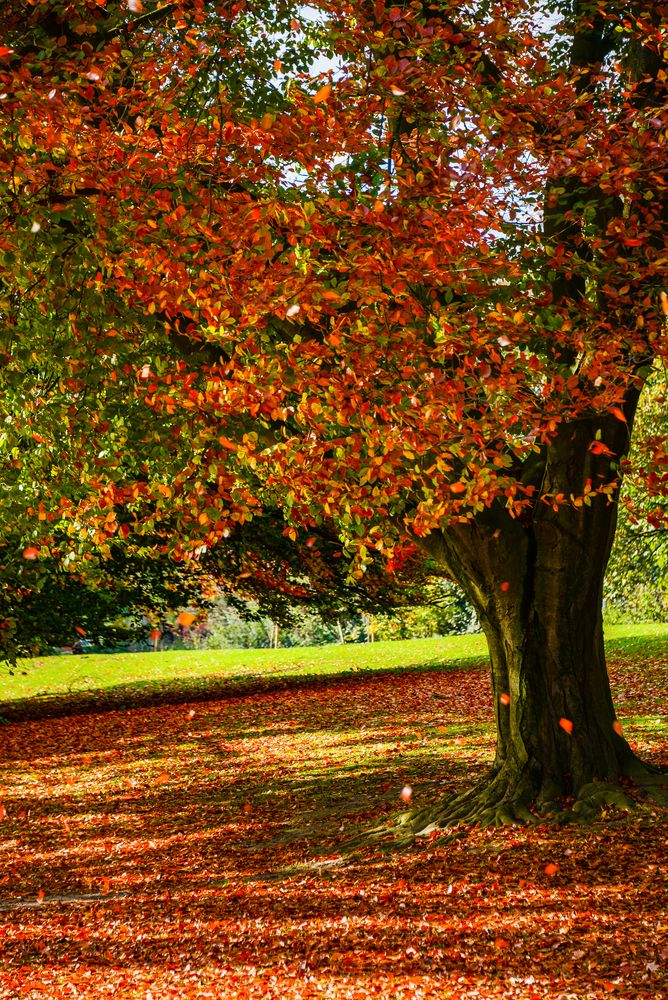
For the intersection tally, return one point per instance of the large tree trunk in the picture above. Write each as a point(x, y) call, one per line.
point(537, 587)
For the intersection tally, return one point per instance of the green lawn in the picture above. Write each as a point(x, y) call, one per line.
point(124, 677)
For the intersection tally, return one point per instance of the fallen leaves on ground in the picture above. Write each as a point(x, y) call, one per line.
point(169, 852)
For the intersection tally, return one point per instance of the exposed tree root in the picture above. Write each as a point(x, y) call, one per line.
point(502, 802)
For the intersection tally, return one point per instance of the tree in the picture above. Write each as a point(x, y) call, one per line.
point(419, 295)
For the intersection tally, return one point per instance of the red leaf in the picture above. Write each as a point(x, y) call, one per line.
point(566, 725)
point(30, 553)
point(551, 869)
point(616, 412)
point(504, 699)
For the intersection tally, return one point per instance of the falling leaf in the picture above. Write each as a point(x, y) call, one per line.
point(566, 725)
point(191, 713)
point(136, 6)
point(185, 618)
point(106, 883)
point(4, 51)
point(40, 896)
point(551, 868)
point(30, 553)
point(145, 372)
point(504, 699)
point(505, 586)
point(664, 303)
point(616, 412)
point(78, 628)
point(323, 94)
point(397, 91)
point(617, 726)
point(292, 311)
point(278, 65)
point(406, 793)
point(501, 942)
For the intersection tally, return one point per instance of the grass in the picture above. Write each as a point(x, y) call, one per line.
point(70, 683)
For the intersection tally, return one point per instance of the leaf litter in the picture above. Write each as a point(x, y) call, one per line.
point(169, 852)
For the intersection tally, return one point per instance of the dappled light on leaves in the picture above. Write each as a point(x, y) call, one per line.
point(227, 880)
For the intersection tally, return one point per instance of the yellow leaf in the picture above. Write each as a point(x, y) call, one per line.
point(323, 94)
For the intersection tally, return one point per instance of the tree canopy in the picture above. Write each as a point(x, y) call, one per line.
point(417, 294)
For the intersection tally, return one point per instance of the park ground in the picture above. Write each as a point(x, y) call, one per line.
point(193, 849)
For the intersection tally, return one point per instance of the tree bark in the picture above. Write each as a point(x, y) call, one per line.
point(537, 585)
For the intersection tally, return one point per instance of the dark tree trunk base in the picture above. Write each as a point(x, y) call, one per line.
point(504, 800)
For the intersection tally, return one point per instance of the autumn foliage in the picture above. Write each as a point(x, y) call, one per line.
point(417, 294)
point(194, 851)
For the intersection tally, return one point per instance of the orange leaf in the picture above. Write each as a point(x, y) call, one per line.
point(617, 726)
point(457, 488)
point(40, 895)
point(278, 65)
point(185, 618)
point(106, 882)
point(502, 943)
point(566, 725)
point(406, 793)
point(551, 869)
point(30, 553)
point(504, 699)
point(664, 303)
point(80, 630)
point(323, 94)
point(616, 412)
